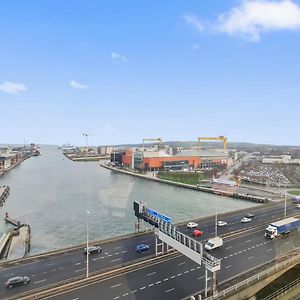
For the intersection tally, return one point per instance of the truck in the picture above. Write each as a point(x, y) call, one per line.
point(282, 227)
point(213, 243)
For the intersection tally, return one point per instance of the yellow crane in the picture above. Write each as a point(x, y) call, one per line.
point(158, 140)
point(219, 138)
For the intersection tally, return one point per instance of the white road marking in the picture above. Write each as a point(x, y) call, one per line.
point(118, 247)
point(77, 264)
point(166, 279)
point(33, 275)
point(132, 292)
point(185, 272)
point(116, 253)
point(173, 276)
point(117, 297)
point(250, 257)
point(40, 281)
point(98, 258)
point(179, 274)
point(124, 251)
point(198, 267)
point(76, 298)
point(182, 263)
point(106, 253)
point(109, 255)
point(80, 270)
point(228, 267)
point(113, 286)
point(142, 288)
point(248, 241)
point(228, 247)
point(201, 277)
point(170, 290)
point(192, 269)
point(225, 257)
point(48, 265)
point(151, 284)
point(151, 273)
point(250, 248)
point(158, 282)
point(125, 294)
point(115, 260)
point(270, 249)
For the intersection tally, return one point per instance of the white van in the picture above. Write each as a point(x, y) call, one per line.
point(213, 243)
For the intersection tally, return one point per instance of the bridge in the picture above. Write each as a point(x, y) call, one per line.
point(248, 262)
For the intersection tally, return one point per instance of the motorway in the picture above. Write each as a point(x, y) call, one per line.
point(172, 279)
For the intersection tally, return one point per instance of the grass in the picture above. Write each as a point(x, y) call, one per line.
point(294, 192)
point(182, 177)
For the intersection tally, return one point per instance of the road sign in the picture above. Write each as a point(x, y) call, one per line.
point(155, 214)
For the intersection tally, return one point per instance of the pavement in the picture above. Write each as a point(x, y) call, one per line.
point(17, 247)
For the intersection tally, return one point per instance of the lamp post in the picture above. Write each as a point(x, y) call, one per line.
point(87, 243)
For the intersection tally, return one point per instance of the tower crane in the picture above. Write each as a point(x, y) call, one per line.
point(219, 138)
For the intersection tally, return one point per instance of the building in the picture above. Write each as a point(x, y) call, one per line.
point(5, 161)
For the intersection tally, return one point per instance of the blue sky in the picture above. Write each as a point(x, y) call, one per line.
point(128, 70)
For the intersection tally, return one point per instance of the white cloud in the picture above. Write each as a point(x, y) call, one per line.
point(194, 21)
point(74, 84)
point(13, 87)
point(118, 57)
point(254, 17)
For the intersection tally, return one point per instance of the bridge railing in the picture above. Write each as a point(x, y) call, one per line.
point(251, 280)
point(284, 290)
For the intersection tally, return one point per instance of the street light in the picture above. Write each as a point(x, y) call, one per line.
point(87, 243)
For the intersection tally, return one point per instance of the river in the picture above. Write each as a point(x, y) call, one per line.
point(54, 195)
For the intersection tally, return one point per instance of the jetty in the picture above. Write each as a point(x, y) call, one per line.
point(4, 192)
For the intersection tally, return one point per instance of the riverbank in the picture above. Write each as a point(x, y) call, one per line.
point(227, 191)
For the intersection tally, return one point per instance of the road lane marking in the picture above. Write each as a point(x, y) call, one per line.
point(185, 272)
point(48, 265)
point(201, 277)
point(117, 297)
point(109, 255)
point(198, 267)
point(117, 253)
point(76, 298)
point(40, 281)
point(228, 267)
point(166, 279)
point(151, 284)
point(106, 253)
point(77, 264)
point(228, 247)
point(151, 273)
point(80, 270)
point(182, 263)
point(125, 294)
point(248, 241)
point(98, 258)
point(132, 292)
point(270, 249)
point(170, 290)
point(173, 276)
point(124, 251)
point(179, 274)
point(118, 247)
point(114, 286)
point(158, 282)
point(142, 288)
point(115, 260)
point(192, 269)
point(250, 257)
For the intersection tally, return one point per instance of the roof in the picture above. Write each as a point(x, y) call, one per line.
point(203, 153)
point(156, 154)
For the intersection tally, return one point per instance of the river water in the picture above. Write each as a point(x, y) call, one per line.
point(57, 197)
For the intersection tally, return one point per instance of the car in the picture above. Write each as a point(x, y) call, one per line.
point(142, 248)
point(221, 223)
point(250, 216)
point(18, 280)
point(92, 250)
point(246, 220)
point(197, 232)
point(192, 225)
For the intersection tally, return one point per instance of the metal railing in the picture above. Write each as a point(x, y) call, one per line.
point(251, 280)
point(284, 290)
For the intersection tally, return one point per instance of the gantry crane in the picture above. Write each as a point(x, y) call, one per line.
point(158, 140)
point(219, 138)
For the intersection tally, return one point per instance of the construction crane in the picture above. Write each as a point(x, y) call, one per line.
point(158, 140)
point(219, 138)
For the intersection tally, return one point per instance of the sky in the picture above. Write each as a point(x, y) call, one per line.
point(126, 70)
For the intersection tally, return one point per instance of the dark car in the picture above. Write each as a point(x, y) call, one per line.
point(15, 281)
point(250, 216)
point(92, 250)
point(142, 248)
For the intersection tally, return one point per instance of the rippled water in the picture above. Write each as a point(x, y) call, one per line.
point(54, 194)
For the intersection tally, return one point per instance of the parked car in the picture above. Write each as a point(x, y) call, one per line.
point(197, 232)
point(250, 216)
point(92, 250)
point(142, 248)
point(192, 225)
point(221, 223)
point(246, 220)
point(15, 281)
